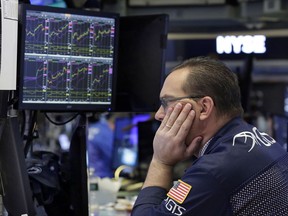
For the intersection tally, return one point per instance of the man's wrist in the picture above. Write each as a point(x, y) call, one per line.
point(161, 165)
point(159, 174)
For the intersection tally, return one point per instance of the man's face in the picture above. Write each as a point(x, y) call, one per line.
point(171, 90)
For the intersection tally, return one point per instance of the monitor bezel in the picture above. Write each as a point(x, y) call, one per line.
point(65, 107)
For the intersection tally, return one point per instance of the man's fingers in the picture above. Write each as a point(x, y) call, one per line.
point(164, 124)
point(182, 122)
point(174, 115)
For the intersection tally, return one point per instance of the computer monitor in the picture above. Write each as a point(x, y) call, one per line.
point(126, 140)
point(67, 59)
point(54, 3)
point(146, 133)
point(245, 82)
point(141, 68)
point(264, 91)
point(14, 181)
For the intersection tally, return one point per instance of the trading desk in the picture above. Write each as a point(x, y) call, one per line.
point(98, 206)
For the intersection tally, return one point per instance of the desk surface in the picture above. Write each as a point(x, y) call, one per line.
point(122, 207)
point(107, 203)
point(109, 212)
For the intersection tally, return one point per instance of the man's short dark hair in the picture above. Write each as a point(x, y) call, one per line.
point(211, 77)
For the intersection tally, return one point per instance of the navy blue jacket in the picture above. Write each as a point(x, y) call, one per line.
point(242, 172)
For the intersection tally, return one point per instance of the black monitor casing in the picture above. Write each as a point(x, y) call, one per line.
point(141, 67)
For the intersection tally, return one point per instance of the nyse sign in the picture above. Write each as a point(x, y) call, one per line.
point(241, 44)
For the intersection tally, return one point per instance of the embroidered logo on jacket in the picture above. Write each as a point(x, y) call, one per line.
point(257, 137)
point(179, 191)
point(173, 207)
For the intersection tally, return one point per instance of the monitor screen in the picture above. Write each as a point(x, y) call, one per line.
point(67, 59)
point(262, 94)
point(54, 3)
point(126, 139)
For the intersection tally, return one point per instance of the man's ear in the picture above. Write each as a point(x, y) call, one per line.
point(207, 105)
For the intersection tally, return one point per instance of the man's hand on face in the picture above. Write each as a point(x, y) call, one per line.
point(169, 141)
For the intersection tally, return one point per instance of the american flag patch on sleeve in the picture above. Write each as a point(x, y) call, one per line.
point(179, 191)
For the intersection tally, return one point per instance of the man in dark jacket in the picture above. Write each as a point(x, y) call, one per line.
point(238, 171)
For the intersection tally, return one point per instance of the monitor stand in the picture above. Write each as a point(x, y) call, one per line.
point(15, 185)
point(3, 103)
point(77, 158)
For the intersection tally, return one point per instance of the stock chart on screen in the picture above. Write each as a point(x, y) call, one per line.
point(68, 58)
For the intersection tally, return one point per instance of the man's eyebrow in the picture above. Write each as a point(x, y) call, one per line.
point(166, 96)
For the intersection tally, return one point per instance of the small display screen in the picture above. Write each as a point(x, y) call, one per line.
point(126, 139)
